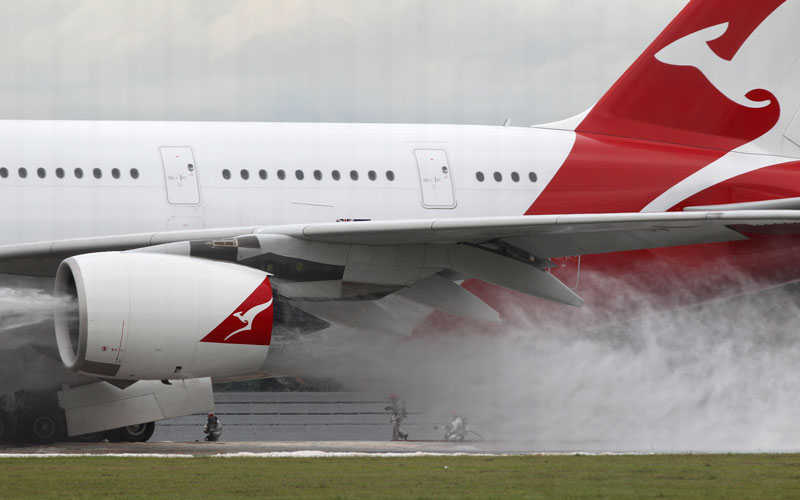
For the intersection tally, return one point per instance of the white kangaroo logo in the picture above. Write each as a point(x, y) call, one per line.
point(248, 317)
point(727, 76)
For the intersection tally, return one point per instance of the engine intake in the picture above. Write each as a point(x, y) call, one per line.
point(147, 316)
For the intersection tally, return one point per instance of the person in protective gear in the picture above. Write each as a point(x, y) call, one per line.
point(457, 430)
point(398, 410)
point(213, 428)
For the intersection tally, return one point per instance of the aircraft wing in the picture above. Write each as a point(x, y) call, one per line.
point(358, 274)
point(369, 258)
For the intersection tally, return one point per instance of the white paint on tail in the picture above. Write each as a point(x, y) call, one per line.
point(757, 65)
point(726, 76)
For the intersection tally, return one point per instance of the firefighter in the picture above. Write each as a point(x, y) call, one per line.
point(213, 428)
point(457, 430)
point(398, 410)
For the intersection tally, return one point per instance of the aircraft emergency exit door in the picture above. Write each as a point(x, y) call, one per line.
point(436, 179)
point(180, 173)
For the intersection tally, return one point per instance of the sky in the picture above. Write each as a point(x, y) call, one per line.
point(393, 61)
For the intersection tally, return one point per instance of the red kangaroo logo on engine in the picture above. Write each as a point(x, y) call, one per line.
point(250, 323)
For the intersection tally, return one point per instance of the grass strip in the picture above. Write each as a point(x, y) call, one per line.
point(569, 477)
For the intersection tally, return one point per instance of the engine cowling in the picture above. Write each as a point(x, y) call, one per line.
point(147, 316)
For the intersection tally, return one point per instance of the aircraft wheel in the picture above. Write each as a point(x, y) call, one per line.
point(133, 433)
point(7, 427)
point(47, 427)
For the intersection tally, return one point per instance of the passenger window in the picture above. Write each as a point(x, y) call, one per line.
point(135, 173)
point(60, 173)
point(299, 174)
point(336, 175)
point(372, 175)
point(3, 172)
point(389, 175)
point(97, 173)
point(514, 176)
point(226, 174)
point(42, 173)
point(498, 176)
point(78, 173)
point(22, 173)
point(245, 174)
point(115, 173)
point(479, 176)
point(354, 175)
point(281, 174)
point(532, 176)
point(318, 175)
point(263, 174)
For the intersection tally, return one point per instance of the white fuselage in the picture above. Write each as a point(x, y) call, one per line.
point(39, 205)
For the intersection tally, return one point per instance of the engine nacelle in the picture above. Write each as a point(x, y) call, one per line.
point(145, 316)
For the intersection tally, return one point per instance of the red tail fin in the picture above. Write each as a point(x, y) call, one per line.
point(674, 91)
point(722, 76)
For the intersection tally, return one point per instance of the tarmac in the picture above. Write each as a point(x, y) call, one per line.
point(308, 424)
point(269, 448)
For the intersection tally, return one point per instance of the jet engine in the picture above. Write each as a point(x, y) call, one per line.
point(148, 316)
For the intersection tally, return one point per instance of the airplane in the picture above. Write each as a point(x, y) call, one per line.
point(175, 250)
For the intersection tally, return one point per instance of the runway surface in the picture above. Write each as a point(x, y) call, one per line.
point(293, 424)
point(276, 449)
point(315, 424)
point(305, 416)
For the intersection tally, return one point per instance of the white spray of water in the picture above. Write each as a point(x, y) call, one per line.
point(28, 353)
point(21, 307)
point(722, 376)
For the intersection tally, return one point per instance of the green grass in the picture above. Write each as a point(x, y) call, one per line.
point(617, 477)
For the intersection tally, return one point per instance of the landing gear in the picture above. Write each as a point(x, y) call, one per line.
point(39, 419)
point(47, 426)
point(138, 433)
point(7, 427)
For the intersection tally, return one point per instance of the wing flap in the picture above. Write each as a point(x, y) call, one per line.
point(511, 274)
point(595, 242)
point(441, 293)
